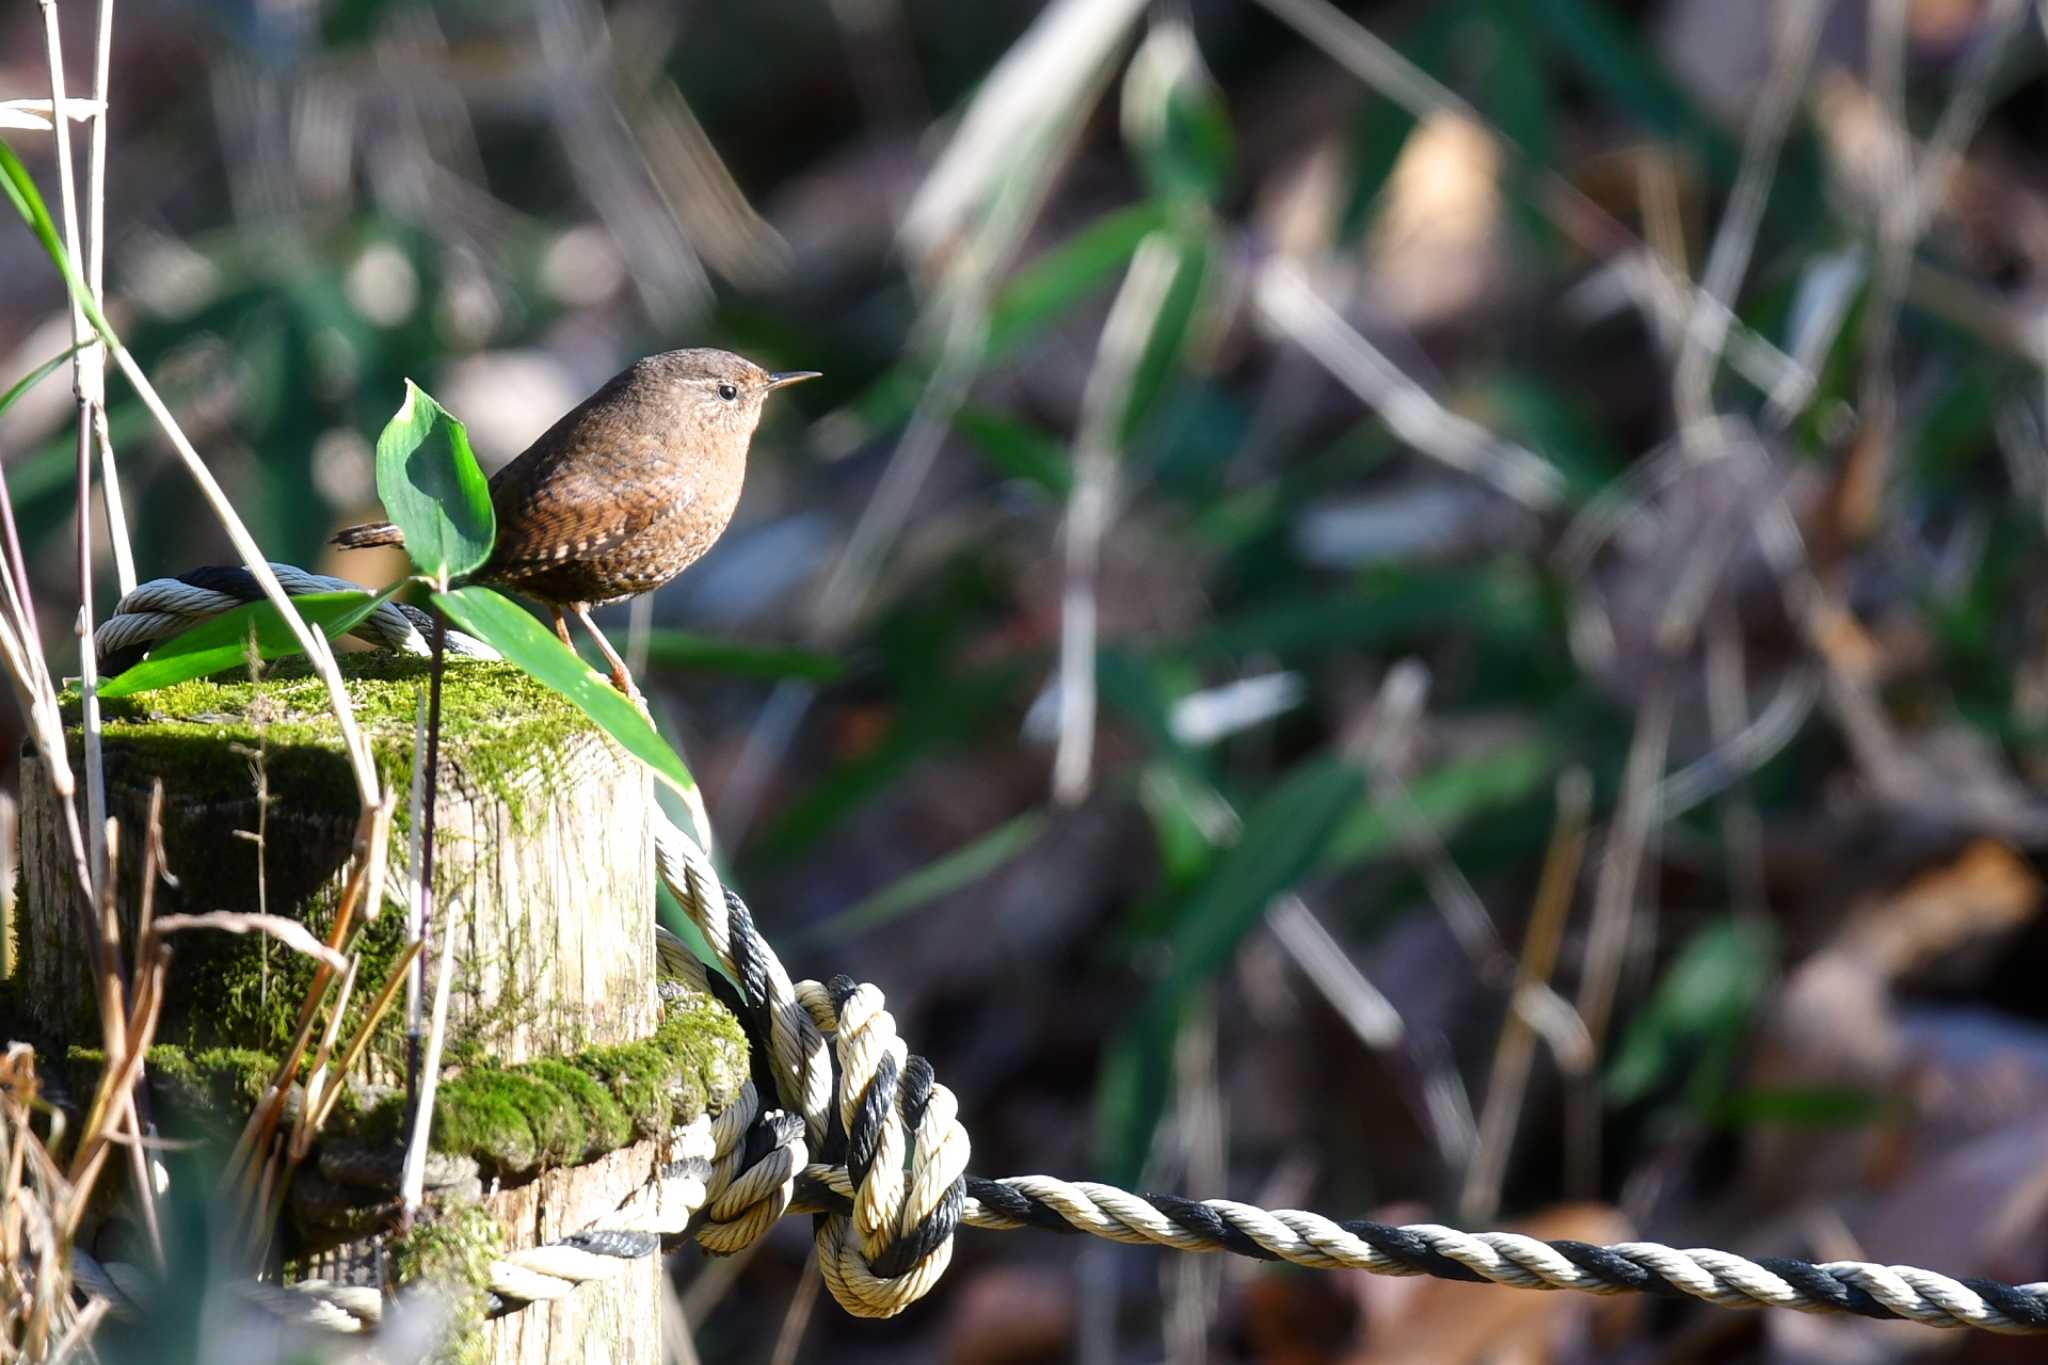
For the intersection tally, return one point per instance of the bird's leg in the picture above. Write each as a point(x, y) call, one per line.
point(562, 629)
point(621, 679)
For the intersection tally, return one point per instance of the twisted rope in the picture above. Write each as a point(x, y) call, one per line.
point(891, 1187)
point(164, 607)
point(901, 1230)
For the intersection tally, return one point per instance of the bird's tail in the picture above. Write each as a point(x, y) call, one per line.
point(365, 536)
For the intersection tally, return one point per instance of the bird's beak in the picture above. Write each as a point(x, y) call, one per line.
point(784, 378)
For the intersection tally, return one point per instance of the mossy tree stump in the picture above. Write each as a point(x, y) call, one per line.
point(543, 870)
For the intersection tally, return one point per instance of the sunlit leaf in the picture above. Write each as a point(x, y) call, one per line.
point(1443, 798)
point(513, 632)
point(222, 642)
point(433, 489)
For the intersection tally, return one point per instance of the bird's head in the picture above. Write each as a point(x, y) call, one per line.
point(715, 390)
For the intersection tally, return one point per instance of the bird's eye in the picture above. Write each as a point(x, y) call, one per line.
point(728, 392)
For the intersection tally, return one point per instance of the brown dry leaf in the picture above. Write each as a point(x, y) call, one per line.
point(1442, 1322)
point(1944, 24)
point(1836, 1024)
point(1848, 647)
point(1011, 1315)
point(1298, 208)
point(1294, 1319)
point(1987, 890)
point(1437, 244)
point(1863, 146)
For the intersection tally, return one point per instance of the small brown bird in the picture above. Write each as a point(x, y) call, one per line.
point(626, 491)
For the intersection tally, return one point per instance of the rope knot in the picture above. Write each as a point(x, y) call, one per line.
point(906, 1158)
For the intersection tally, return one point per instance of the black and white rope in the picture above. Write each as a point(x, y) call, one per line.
point(891, 1188)
point(908, 1236)
point(164, 607)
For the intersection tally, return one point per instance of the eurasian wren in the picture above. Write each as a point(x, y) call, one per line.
point(626, 491)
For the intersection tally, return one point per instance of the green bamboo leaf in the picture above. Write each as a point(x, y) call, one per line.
point(1045, 290)
point(1174, 118)
point(962, 867)
point(1286, 836)
point(1132, 1089)
point(28, 201)
point(433, 489)
point(1171, 329)
point(37, 376)
point(1699, 1013)
point(222, 642)
point(685, 649)
point(524, 641)
point(1018, 449)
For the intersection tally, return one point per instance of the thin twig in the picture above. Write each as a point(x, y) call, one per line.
point(1614, 913)
point(1706, 334)
point(400, 973)
point(423, 1062)
point(790, 1336)
point(1909, 196)
point(412, 1181)
point(138, 1098)
point(290, 932)
point(95, 1136)
point(254, 1144)
point(1568, 207)
point(1515, 1049)
point(1293, 306)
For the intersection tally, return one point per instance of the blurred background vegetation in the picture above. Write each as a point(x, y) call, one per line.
point(1412, 609)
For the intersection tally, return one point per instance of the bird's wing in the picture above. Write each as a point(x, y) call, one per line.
point(585, 507)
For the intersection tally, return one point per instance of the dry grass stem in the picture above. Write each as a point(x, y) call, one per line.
point(1616, 907)
point(95, 280)
point(1798, 34)
point(1515, 1049)
point(290, 932)
point(412, 1182)
point(1297, 310)
point(1090, 507)
point(329, 1096)
point(88, 382)
point(1368, 57)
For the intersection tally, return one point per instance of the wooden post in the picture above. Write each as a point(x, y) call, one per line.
point(543, 869)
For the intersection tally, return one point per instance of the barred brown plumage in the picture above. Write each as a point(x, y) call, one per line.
point(626, 491)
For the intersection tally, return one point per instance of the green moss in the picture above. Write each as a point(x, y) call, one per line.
point(495, 722)
point(503, 735)
point(450, 1252)
point(513, 1120)
point(605, 1123)
point(486, 1122)
point(639, 1076)
point(559, 1133)
point(206, 1093)
point(712, 1049)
